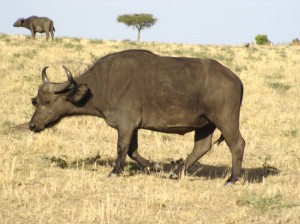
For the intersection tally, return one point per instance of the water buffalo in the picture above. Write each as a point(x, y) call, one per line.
point(37, 25)
point(137, 89)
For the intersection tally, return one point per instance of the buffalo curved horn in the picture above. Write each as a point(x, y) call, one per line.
point(57, 87)
point(69, 74)
point(44, 75)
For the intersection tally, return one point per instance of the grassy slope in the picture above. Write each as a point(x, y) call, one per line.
point(59, 175)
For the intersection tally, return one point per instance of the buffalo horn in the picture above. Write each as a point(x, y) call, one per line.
point(44, 75)
point(58, 87)
point(69, 74)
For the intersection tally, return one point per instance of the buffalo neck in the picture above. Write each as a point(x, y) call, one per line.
point(25, 23)
point(92, 103)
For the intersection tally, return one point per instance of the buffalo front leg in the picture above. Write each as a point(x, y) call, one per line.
point(33, 33)
point(133, 154)
point(124, 141)
point(203, 143)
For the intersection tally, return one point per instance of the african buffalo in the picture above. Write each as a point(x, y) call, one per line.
point(37, 25)
point(137, 89)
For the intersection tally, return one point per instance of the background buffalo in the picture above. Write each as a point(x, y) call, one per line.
point(37, 25)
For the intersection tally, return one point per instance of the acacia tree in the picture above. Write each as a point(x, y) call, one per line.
point(138, 21)
point(262, 39)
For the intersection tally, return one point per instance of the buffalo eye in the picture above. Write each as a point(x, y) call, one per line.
point(34, 102)
point(47, 102)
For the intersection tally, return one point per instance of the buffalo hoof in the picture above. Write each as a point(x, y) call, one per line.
point(228, 184)
point(231, 181)
point(156, 167)
point(174, 176)
point(147, 170)
point(112, 175)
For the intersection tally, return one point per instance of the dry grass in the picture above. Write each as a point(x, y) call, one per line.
point(59, 175)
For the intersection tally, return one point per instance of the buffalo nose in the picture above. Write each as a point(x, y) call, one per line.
point(32, 126)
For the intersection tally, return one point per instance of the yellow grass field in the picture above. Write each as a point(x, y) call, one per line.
point(60, 174)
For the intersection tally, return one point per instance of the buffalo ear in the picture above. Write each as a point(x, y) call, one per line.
point(78, 93)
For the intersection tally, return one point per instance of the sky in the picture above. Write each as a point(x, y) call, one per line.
point(231, 22)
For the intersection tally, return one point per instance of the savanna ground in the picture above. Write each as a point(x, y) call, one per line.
point(60, 175)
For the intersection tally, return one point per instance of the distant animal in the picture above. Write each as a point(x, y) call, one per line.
point(37, 25)
point(137, 89)
point(246, 45)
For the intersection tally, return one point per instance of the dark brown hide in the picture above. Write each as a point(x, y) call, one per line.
point(137, 89)
point(37, 25)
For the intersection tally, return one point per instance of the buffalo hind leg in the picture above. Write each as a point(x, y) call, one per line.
point(203, 143)
point(51, 30)
point(52, 33)
point(47, 35)
point(133, 154)
point(236, 144)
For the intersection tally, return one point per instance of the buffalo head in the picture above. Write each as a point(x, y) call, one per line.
point(19, 22)
point(55, 100)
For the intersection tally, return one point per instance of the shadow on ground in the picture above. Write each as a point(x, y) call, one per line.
point(257, 174)
point(197, 170)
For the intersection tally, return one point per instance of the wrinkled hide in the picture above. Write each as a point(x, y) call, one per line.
point(137, 89)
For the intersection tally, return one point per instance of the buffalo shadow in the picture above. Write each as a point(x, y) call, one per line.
point(257, 174)
point(251, 175)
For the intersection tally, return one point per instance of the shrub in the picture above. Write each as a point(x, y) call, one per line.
point(262, 39)
point(295, 41)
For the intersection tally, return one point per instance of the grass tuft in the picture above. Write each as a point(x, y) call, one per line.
point(63, 161)
point(263, 202)
point(279, 86)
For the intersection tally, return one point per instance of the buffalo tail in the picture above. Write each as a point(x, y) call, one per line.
point(220, 139)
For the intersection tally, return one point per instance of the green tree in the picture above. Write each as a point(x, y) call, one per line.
point(138, 21)
point(262, 39)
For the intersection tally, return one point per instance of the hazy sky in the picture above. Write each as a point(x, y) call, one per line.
point(179, 21)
